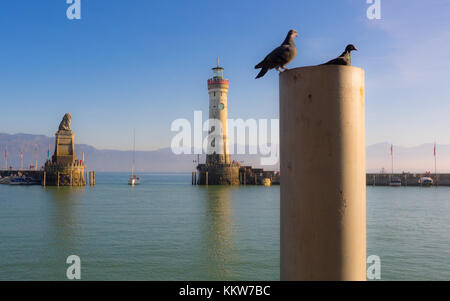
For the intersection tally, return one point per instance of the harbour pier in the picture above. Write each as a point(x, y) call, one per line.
point(240, 175)
point(407, 179)
point(64, 169)
point(34, 174)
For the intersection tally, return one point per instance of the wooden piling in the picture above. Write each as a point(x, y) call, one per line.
point(206, 178)
point(45, 178)
point(57, 181)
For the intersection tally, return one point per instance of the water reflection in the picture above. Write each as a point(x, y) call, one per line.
point(64, 223)
point(219, 231)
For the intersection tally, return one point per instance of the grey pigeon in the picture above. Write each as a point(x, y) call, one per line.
point(345, 59)
point(281, 56)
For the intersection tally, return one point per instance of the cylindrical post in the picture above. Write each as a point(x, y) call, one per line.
point(195, 178)
point(192, 178)
point(71, 178)
point(87, 178)
point(45, 178)
point(206, 178)
point(323, 194)
point(57, 174)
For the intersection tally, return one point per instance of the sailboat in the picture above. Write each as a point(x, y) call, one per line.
point(134, 179)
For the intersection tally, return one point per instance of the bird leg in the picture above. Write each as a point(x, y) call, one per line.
point(278, 69)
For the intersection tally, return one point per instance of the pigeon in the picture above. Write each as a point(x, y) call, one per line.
point(345, 59)
point(279, 57)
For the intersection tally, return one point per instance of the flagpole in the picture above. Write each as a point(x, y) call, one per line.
point(35, 157)
point(392, 158)
point(435, 166)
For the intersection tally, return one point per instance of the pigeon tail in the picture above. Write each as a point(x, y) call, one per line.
point(260, 65)
point(262, 72)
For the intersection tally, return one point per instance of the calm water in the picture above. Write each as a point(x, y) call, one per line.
point(167, 229)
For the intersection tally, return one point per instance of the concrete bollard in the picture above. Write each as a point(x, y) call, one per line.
point(323, 192)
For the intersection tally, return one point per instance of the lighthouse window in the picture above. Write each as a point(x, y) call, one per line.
point(221, 106)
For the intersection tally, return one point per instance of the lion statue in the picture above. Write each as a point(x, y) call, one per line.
point(65, 123)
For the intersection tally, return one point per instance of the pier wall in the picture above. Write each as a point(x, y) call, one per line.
point(408, 179)
point(35, 174)
point(233, 175)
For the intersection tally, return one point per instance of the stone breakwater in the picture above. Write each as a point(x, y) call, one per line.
point(407, 179)
point(34, 174)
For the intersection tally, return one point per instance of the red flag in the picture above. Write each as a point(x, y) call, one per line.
point(392, 149)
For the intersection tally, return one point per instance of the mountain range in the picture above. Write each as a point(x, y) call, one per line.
point(411, 159)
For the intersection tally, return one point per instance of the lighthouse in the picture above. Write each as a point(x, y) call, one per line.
point(218, 147)
point(218, 168)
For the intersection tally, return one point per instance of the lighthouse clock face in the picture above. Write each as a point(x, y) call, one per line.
point(221, 106)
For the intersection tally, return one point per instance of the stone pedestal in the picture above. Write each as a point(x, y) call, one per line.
point(65, 174)
point(64, 169)
point(219, 174)
point(64, 148)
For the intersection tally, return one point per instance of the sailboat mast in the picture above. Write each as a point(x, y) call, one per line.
point(134, 151)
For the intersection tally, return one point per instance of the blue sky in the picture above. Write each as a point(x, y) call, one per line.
point(141, 64)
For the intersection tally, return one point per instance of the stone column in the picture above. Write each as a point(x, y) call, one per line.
point(323, 190)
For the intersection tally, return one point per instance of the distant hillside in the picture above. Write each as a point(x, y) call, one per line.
point(162, 160)
point(413, 159)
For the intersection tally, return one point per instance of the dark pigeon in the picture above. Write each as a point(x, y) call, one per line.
point(281, 56)
point(345, 59)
